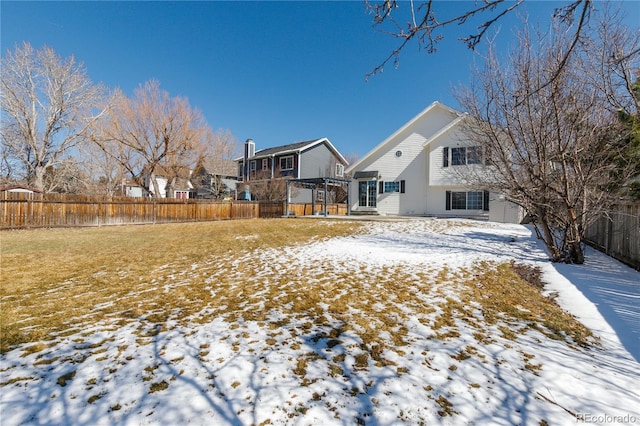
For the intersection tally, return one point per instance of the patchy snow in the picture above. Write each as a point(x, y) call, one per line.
point(245, 372)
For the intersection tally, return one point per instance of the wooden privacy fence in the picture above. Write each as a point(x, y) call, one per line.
point(618, 234)
point(61, 211)
point(53, 210)
point(277, 209)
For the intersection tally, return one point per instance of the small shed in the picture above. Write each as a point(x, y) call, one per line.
point(19, 192)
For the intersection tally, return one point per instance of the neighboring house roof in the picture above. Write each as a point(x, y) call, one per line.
point(381, 146)
point(295, 148)
point(130, 182)
point(220, 167)
point(181, 184)
point(19, 188)
point(179, 172)
point(284, 149)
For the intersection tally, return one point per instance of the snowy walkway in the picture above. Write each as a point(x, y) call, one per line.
point(614, 289)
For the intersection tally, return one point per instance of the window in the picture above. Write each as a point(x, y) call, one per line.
point(474, 155)
point(182, 195)
point(339, 170)
point(392, 187)
point(286, 163)
point(462, 155)
point(397, 186)
point(472, 200)
point(458, 156)
point(265, 164)
point(458, 200)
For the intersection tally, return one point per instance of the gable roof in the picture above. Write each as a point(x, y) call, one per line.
point(19, 188)
point(284, 149)
point(296, 147)
point(407, 125)
point(444, 130)
point(220, 167)
point(162, 171)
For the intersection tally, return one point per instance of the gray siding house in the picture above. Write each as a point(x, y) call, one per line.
point(316, 158)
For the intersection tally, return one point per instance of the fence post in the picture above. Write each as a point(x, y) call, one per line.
point(28, 218)
point(608, 235)
point(99, 211)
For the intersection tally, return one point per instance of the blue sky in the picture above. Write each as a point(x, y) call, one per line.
point(276, 72)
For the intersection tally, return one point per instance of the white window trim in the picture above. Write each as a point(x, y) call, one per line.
point(449, 161)
point(285, 158)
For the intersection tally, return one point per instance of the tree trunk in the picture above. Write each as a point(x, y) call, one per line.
point(574, 238)
point(154, 184)
point(576, 254)
point(38, 182)
point(547, 236)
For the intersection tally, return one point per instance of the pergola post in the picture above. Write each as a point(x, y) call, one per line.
point(348, 201)
point(325, 198)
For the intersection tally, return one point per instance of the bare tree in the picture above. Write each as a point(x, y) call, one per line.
point(8, 165)
point(550, 130)
point(152, 132)
point(104, 171)
point(264, 187)
point(48, 105)
point(417, 22)
point(67, 177)
point(216, 162)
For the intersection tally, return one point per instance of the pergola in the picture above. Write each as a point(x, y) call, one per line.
point(315, 184)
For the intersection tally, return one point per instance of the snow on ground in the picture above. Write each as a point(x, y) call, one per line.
point(287, 370)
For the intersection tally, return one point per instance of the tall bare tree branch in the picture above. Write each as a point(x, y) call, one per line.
point(553, 140)
point(153, 134)
point(48, 107)
point(426, 31)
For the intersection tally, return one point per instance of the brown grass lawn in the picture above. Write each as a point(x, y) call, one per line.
point(53, 280)
point(63, 281)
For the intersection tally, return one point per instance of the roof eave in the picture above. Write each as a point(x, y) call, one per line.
point(400, 130)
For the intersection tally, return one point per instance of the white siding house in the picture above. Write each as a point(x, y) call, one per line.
point(413, 171)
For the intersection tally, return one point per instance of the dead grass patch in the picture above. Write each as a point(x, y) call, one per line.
point(159, 386)
point(122, 273)
point(62, 380)
point(503, 292)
